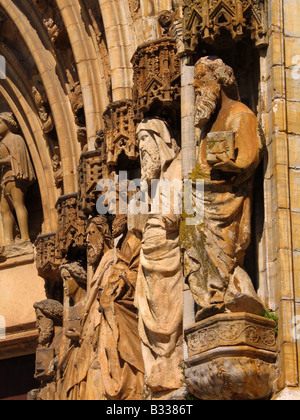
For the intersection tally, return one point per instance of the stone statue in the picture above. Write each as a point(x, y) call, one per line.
point(119, 351)
point(16, 174)
point(159, 288)
point(229, 153)
point(49, 315)
point(74, 280)
point(81, 378)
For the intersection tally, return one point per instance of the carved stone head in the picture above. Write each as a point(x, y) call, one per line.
point(157, 148)
point(49, 313)
point(212, 75)
point(98, 238)
point(74, 276)
point(7, 123)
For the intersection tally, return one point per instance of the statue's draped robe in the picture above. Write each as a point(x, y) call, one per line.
point(119, 352)
point(215, 249)
point(159, 296)
point(108, 363)
point(77, 368)
point(21, 166)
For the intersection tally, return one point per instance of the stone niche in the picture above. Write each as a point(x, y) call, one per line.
point(231, 357)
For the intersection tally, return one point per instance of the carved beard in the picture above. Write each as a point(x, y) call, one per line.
point(45, 335)
point(94, 252)
point(206, 103)
point(151, 165)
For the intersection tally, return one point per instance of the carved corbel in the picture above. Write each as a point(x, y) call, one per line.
point(231, 357)
point(157, 73)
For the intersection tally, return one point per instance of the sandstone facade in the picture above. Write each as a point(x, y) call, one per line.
point(86, 82)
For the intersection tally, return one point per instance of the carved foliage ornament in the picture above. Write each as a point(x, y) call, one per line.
point(205, 19)
point(256, 332)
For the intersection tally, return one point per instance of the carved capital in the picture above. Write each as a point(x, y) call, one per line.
point(119, 119)
point(157, 73)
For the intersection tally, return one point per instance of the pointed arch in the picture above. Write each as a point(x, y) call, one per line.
point(53, 81)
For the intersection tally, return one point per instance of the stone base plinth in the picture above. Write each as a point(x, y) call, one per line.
point(288, 394)
point(231, 357)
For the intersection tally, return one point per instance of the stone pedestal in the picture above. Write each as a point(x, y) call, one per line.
point(231, 357)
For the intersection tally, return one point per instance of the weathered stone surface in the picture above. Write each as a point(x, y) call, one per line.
point(80, 76)
point(231, 357)
point(232, 378)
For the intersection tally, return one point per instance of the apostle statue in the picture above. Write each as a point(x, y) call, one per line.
point(74, 278)
point(159, 288)
point(81, 375)
point(230, 151)
point(49, 315)
point(119, 351)
point(16, 174)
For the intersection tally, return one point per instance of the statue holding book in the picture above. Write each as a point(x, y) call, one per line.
point(229, 153)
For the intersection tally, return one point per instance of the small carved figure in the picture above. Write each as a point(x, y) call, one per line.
point(57, 169)
point(229, 153)
point(49, 315)
point(16, 174)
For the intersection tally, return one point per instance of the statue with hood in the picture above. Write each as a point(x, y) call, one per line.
point(159, 287)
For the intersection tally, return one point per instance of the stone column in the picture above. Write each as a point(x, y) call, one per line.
point(187, 117)
point(188, 164)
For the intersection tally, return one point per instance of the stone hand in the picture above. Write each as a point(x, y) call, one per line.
point(226, 165)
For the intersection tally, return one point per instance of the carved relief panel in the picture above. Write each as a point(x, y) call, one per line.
point(45, 254)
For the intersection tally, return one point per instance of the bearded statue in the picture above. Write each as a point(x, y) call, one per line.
point(74, 278)
point(229, 153)
point(159, 287)
point(80, 377)
point(49, 315)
